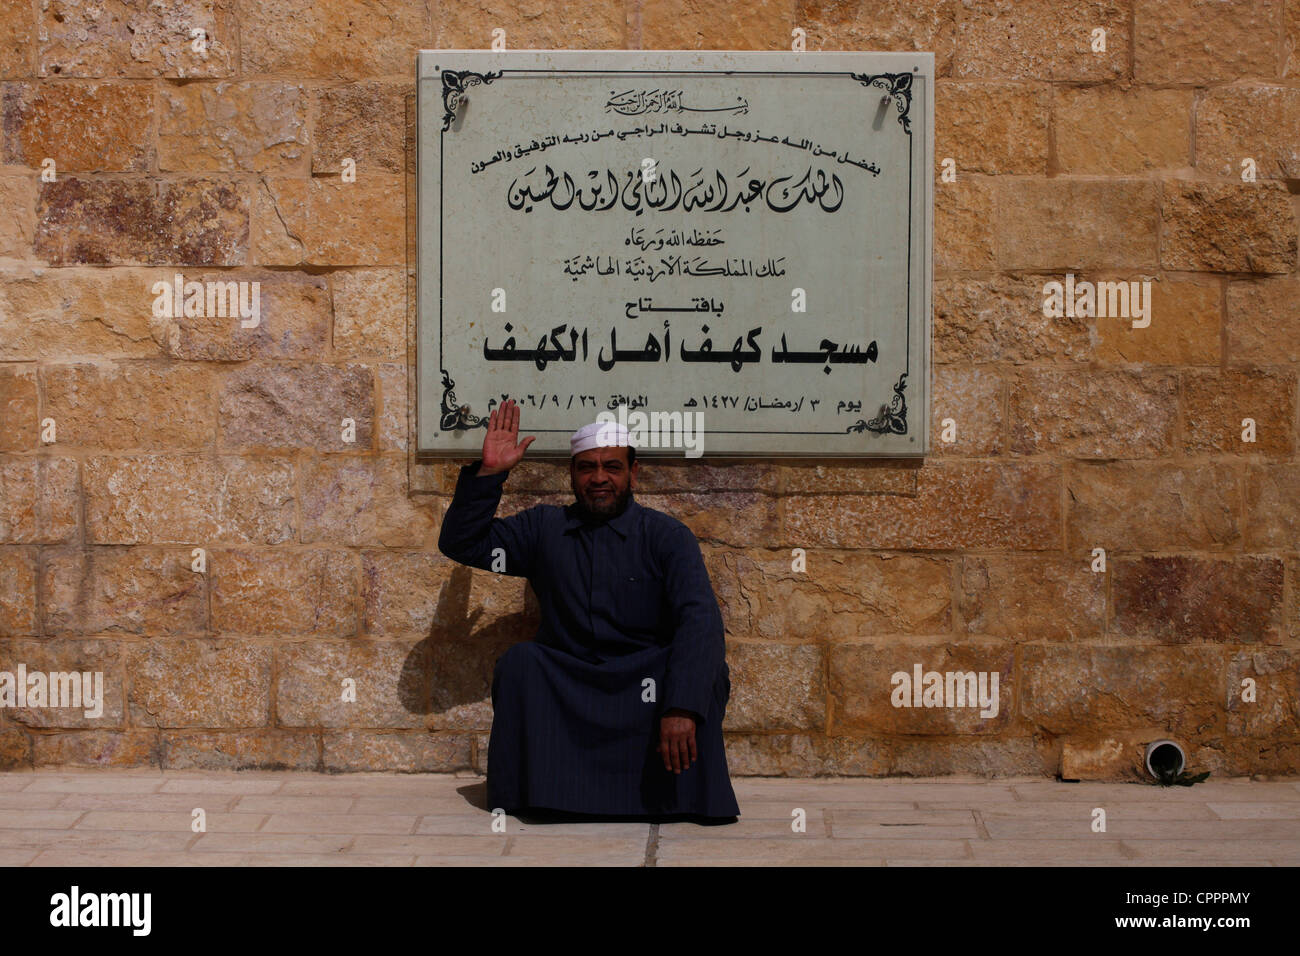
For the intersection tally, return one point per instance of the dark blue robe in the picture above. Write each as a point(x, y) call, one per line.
point(623, 601)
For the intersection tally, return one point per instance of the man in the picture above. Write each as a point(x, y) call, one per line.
point(616, 706)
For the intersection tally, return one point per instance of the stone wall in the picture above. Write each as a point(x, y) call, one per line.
point(321, 563)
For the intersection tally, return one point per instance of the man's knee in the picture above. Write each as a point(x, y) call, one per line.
point(516, 663)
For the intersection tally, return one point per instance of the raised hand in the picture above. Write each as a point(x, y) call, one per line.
point(500, 451)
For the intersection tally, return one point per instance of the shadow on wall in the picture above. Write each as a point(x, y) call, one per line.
point(453, 665)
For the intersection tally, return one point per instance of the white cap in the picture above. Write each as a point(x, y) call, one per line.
point(598, 435)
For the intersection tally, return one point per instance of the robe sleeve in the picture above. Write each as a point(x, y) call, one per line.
point(698, 646)
point(471, 533)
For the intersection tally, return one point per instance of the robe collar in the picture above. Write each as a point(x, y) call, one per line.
point(622, 524)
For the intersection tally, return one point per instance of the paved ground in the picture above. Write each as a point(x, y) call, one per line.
point(143, 818)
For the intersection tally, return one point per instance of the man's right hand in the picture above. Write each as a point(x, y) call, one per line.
point(500, 451)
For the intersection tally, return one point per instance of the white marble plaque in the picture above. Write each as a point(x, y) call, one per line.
point(742, 238)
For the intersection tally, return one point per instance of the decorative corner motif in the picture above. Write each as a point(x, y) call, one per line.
point(897, 85)
point(892, 418)
point(456, 417)
point(454, 84)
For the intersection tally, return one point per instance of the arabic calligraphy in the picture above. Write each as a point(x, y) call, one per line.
point(637, 102)
point(552, 348)
point(519, 150)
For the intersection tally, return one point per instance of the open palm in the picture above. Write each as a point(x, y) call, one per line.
point(502, 449)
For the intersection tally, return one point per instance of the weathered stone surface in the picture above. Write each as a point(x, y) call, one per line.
point(1182, 599)
point(143, 591)
point(1102, 758)
point(1111, 131)
point(364, 502)
point(17, 39)
point(738, 518)
point(121, 38)
point(1060, 224)
point(1032, 597)
point(1000, 319)
point(325, 221)
point(131, 405)
point(1042, 39)
point(1133, 506)
point(306, 592)
point(292, 316)
point(19, 408)
point(1198, 42)
point(17, 591)
point(1227, 227)
point(1293, 606)
point(258, 126)
point(1087, 414)
point(164, 499)
point(252, 750)
point(370, 313)
point(1272, 506)
point(1263, 321)
point(693, 25)
point(1074, 690)
point(401, 591)
point(1215, 402)
point(39, 500)
point(433, 684)
point(364, 122)
point(83, 127)
point(392, 683)
point(286, 37)
point(690, 474)
point(864, 477)
point(70, 314)
point(172, 682)
point(1291, 27)
point(404, 753)
point(964, 220)
point(1186, 321)
point(991, 127)
point(393, 417)
point(898, 25)
point(994, 757)
point(18, 225)
point(863, 689)
point(15, 749)
point(776, 687)
point(97, 748)
point(1262, 123)
point(957, 505)
point(276, 407)
point(973, 398)
point(67, 657)
point(142, 222)
point(841, 596)
point(781, 755)
point(1275, 710)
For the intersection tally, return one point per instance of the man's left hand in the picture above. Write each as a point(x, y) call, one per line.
point(677, 739)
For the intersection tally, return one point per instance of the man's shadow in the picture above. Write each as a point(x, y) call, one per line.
point(453, 665)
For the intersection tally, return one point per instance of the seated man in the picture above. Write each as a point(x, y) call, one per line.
point(616, 705)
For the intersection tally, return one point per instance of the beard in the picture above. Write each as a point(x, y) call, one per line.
point(602, 509)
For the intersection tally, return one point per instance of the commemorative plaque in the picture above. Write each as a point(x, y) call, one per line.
point(732, 243)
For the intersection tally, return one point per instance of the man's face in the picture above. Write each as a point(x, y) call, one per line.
point(602, 481)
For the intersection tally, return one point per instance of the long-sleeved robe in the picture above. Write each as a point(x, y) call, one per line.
point(624, 601)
